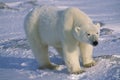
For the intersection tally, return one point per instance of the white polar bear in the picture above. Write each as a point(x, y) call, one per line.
point(70, 31)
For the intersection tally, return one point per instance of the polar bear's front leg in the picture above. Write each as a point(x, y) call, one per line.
point(71, 58)
point(86, 51)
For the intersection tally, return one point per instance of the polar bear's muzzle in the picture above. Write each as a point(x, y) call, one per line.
point(95, 43)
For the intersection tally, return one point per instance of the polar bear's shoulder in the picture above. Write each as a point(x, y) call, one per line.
point(73, 9)
point(76, 11)
point(78, 15)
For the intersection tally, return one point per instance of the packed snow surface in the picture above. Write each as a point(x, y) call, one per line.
point(17, 61)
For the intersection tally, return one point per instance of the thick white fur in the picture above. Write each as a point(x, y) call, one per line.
point(63, 29)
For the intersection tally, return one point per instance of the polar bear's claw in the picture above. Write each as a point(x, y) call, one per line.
point(50, 66)
point(90, 64)
point(78, 72)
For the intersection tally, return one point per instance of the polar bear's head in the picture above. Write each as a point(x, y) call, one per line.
point(87, 33)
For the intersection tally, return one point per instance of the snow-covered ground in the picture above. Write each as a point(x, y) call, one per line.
point(17, 61)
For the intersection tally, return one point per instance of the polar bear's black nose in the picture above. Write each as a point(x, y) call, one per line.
point(95, 43)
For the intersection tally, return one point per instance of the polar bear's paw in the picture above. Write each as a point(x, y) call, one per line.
point(50, 66)
point(90, 64)
point(78, 72)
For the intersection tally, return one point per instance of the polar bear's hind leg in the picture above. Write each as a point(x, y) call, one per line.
point(39, 50)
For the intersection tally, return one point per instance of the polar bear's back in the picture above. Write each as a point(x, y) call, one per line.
point(49, 17)
point(50, 25)
point(46, 21)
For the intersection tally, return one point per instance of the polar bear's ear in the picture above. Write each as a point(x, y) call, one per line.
point(77, 29)
point(98, 25)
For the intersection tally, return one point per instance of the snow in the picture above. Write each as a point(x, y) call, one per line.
point(17, 61)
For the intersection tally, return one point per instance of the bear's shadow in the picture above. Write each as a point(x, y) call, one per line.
point(8, 62)
point(26, 64)
point(18, 63)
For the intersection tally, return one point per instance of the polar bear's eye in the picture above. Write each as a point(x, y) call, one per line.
point(97, 33)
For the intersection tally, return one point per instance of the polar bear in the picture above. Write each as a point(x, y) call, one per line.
point(70, 31)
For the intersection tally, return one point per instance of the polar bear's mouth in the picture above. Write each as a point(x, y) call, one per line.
point(95, 43)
